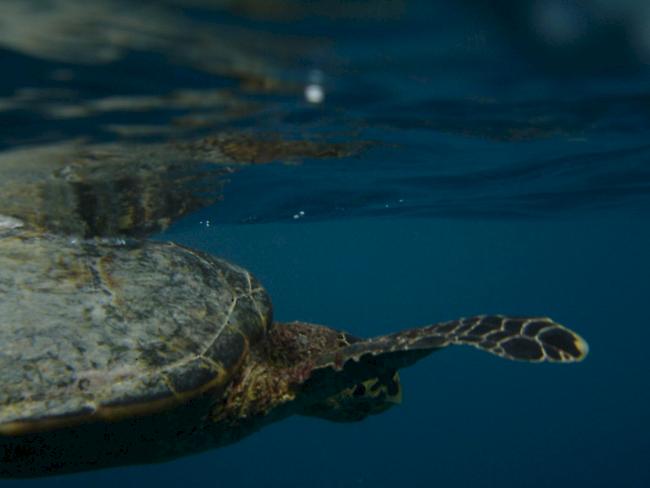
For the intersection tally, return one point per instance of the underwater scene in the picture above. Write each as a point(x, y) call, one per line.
point(375, 167)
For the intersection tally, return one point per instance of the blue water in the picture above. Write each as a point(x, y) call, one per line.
point(468, 419)
point(497, 171)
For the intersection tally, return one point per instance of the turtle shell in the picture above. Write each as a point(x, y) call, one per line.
point(112, 329)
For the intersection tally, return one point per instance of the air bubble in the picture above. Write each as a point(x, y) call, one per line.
point(314, 93)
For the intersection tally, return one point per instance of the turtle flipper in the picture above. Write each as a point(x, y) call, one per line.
point(336, 385)
point(534, 339)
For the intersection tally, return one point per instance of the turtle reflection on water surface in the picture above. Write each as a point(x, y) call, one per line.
point(101, 190)
point(122, 352)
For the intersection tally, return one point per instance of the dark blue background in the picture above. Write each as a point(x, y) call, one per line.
point(468, 419)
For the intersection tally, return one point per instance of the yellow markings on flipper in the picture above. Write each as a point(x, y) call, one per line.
point(582, 346)
point(531, 339)
point(577, 344)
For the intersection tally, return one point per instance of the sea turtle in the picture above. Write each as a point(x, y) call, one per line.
point(118, 352)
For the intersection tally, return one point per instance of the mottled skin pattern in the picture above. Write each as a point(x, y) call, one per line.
point(115, 352)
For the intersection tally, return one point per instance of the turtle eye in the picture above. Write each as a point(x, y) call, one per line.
point(359, 390)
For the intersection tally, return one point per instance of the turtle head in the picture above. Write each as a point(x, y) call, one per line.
point(320, 391)
point(356, 402)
